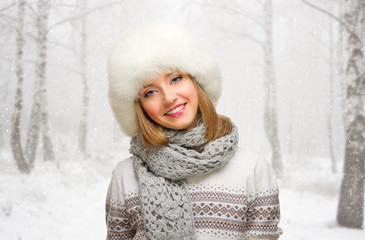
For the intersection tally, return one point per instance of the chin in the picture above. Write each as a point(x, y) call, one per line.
point(180, 123)
point(178, 126)
point(186, 126)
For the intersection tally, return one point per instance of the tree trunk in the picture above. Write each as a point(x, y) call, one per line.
point(270, 114)
point(330, 113)
point(15, 135)
point(340, 61)
point(1, 136)
point(341, 78)
point(351, 201)
point(48, 152)
point(290, 139)
point(43, 9)
point(37, 113)
point(3, 98)
point(85, 87)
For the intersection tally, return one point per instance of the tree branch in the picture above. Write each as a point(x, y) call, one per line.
point(7, 34)
point(65, 5)
point(70, 21)
point(339, 20)
point(260, 2)
point(240, 35)
point(238, 11)
point(48, 64)
point(65, 67)
point(7, 7)
point(257, 64)
point(82, 15)
point(30, 7)
point(65, 46)
point(311, 34)
point(244, 13)
point(252, 39)
point(30, 34)
point(5, 16)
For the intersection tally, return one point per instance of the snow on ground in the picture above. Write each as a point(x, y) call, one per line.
point(65, 200)
point(308, 199)
point(310, 216)
point(58, 200)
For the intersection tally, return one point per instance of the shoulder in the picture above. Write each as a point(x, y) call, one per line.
point(251, 160)
point(264, 175)
point(124, 166)
point(252, 169)
point(248, 163)
point(125, 176)
point(257, 168)
point(247, 160)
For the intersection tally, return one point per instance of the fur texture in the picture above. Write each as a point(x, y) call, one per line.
point(144, 53)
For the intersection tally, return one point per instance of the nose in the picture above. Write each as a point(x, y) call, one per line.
point(169, 97)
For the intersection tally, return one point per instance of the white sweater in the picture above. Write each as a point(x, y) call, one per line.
point(238, 201)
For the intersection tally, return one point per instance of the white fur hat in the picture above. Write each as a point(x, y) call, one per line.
point(148, 51)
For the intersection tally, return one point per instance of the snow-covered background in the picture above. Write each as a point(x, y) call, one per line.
point(65, 199)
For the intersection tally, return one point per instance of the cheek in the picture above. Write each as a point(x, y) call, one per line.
point(191, 93)
point(151, 110)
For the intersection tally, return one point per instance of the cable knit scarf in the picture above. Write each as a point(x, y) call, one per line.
point(165, 202)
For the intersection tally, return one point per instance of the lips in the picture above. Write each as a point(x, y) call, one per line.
point(176, 111)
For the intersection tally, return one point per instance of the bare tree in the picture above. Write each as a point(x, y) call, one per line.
point(332, 71)
point(340, 60)
point(81, 17)
point(340, 73)
point(331, 100)
point(3, 96)
point(42, 26)
point(47, 143)
point(351, 202)
point(38, 115)
point(270, 113)
point(15, 135)
point(1, 136)
point(84, 79)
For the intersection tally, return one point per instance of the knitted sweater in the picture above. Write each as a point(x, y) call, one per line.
point(237, 201)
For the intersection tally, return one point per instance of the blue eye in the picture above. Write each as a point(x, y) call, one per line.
point(149, 93)
point(176, 79)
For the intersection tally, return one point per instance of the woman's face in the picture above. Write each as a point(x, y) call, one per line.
point(171, 100)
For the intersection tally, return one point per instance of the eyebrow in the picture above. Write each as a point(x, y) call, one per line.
point(150, 84)
point(146, 86)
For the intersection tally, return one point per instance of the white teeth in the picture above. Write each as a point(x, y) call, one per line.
point(175, 110)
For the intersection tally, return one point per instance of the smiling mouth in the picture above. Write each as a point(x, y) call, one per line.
point(176, 110)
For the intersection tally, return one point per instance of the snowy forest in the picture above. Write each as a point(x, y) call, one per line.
point(293, 82)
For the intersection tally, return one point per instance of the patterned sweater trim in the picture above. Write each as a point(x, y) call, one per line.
point(214, 212)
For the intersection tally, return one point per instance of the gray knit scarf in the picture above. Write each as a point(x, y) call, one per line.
point(165, 202)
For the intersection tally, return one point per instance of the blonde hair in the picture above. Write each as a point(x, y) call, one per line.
point(216, 125)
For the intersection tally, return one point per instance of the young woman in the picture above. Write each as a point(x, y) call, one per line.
point(187, 177)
